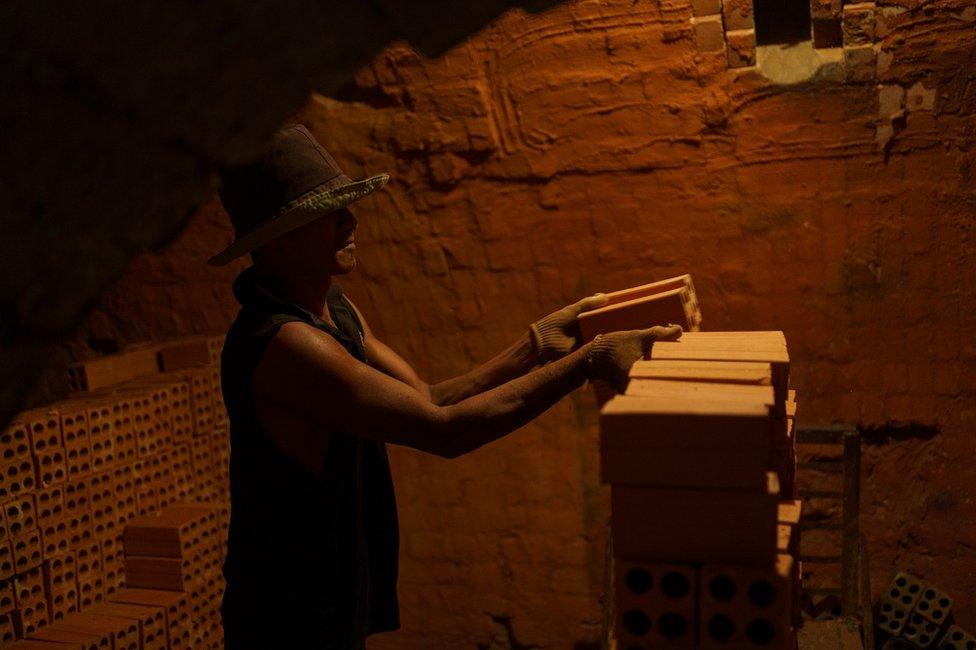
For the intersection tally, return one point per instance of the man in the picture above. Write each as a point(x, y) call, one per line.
point(313, 397)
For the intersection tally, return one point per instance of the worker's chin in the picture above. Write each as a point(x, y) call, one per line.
point(345, 261)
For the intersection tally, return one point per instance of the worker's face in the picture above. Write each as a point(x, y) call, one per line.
point(324, 246)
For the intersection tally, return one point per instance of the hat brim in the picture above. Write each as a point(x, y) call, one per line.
point(302, 213)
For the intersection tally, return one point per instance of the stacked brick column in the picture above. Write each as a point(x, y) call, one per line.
point(145, 430)
point(698, 454)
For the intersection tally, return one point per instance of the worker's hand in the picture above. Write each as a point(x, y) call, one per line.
point(611, 356)
point(558, 334)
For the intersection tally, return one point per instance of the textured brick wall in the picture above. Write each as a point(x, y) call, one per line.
point(594, 147)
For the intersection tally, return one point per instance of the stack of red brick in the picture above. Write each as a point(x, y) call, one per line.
point(699, 456)
point(145, 429)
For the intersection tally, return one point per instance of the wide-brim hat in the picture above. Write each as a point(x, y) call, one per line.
point(292, 183)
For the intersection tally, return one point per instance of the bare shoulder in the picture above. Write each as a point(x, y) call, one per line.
point(300, 350)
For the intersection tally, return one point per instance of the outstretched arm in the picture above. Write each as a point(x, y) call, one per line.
point(546, 340)
point(306, 371)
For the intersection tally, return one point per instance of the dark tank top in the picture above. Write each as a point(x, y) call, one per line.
point(311, 560)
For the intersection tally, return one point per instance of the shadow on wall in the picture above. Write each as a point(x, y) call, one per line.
point(115, 118)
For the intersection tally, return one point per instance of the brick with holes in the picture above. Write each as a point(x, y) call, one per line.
point(17, 477)
point(747, 606)
point(101, 432)
point(29, 586)
point(7, 600)
point(655, 604)
point(27, 550)
point(15, 440)
point(957, 638)
point(174, 604)
point(44, 429)
point(60, 571)
point(55, 538)
point(62, 601)
point(20, 515)
point(933, 605)
point(50, 504)
point(52, 467)
point(151, 620)
point(6, 560)
point(920, 631)
point(8, 630)
point(31, 616)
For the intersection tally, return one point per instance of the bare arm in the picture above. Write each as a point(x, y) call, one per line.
point(548, 339)
point(306, 370)
point(516, 360)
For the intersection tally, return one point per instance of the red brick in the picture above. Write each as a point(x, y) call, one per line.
point(655, 604)
point(108, 371)
point(33, 644)
point(28, 586)
point(15, 440)
point(20, 515)
point(68, 634)
point(184, 353)
point(657, 309)
point(17, 477)
point(858, 24)
point(27, 550)
point(694, 525)
point(753, 605)
point(51, 466)
point(6, 560)
point(50, 504)
point(8, 630)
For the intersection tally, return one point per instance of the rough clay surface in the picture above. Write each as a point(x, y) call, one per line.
point(590, 148)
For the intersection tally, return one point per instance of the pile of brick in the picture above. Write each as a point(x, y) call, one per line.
point(699, 456)
point(914, 614)
point(144, 429)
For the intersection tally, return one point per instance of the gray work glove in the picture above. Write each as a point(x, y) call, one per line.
point(558, 334)
point(611, 355)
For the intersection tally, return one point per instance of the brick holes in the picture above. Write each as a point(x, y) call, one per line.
point(722, 588)
point(639, 581)
point(637, 623)
point(721, 628)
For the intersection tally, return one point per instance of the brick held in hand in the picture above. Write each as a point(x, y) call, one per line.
point(640, 313)
point(746, 606)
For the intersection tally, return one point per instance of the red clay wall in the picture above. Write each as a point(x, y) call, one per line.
point(591, 148)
